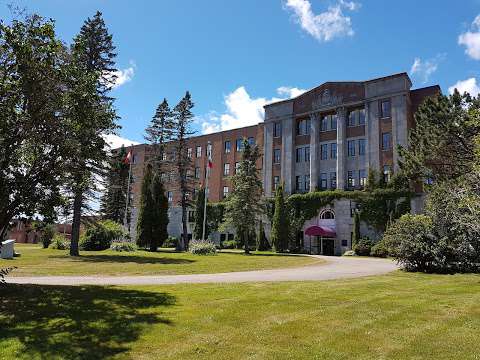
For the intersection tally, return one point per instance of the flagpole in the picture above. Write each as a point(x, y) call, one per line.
point(205, 198)
point(125, 217)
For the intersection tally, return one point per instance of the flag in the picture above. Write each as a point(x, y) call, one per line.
point(210, 164)
point(128, 158)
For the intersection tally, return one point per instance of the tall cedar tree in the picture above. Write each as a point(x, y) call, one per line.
point(114, 200)
point(146, 213)
point(31, 107)
point(160, 208)
point(90, 112)
point(243, 206)
point(199, 211)
point(280, 223)
point(356, 228)
point(183, 118)
point(444, 136)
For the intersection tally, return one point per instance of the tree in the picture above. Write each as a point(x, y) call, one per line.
point(90, 114)
point(356, 228)
point(183, 118)
point(443, 138)
point(262, 242)
point(160, 210)
point(31, 126)
point(280, 225)
point(199, 213)
point(114, 199)
point(146, 213)
point(243, 206)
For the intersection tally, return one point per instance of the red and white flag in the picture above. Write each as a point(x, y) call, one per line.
point(128, 158)
point(210, 163)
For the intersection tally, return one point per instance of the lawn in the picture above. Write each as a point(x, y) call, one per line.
point(37, 262)
point(395, 316)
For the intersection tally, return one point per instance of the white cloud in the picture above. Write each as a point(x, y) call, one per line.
point(242, 110)
point(326, 25)
point(122, 76)
point(470, 86)
point(423, 69)
point(471, 39)
point(116, 141)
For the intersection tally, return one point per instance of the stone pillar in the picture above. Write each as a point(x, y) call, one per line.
point(399, 126)
point(341, 147)
point(288, 136)
point(314, 145)
point(267, 158)
point(373, 136)
point(367, 140)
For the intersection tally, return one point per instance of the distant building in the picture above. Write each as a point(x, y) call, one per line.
point(327, 138)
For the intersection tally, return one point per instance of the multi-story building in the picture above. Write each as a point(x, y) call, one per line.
point(327, 138)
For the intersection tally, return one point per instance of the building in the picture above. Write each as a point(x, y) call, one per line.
point(327, 138)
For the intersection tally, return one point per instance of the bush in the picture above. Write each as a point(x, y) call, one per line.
point(363, 247)
point(200, 247)
point(123, 246)
point(100, 235)
point(229, 244)
point(48, 232)
point(60, 242)
point(171, 242)
point(380, 249)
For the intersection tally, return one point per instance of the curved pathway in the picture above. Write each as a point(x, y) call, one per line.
point(332, 268)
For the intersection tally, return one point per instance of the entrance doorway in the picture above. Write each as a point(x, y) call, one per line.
point(323, 246)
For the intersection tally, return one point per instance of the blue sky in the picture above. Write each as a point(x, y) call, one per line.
point(235, 56)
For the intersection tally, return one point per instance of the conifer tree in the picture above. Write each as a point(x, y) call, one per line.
point(356, 228)
point(183, 118)
point(280, 223)
point(199, 211)
point(160, 210)
point(262, 242)
point(146, 213)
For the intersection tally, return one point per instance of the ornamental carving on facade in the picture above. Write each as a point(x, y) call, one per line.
point(326, 98)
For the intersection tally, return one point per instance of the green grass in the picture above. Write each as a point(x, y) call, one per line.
point(35, 261)
point(396, 316)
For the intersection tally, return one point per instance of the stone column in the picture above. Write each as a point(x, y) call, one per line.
point(314, 145)
point(373, 135)
point(288, 136)
point(267, 158)
point(341, 147)
point(367, 140)
point(399, 126)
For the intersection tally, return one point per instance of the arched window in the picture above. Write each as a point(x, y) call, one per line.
point(327, 214)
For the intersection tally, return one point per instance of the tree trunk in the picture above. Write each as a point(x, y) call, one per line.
point(245, 241)
point(153, 244)
point(77, 213)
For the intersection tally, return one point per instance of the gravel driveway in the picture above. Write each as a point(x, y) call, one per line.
point(332, 268)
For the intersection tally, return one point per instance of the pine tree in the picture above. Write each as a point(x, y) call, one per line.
point(280, 223)
point(89, 113)
point(183, 118)
point(146, 212)
point(356, 228)
point(243, 206)
point(160, 210)
point(199, 211)
point(262, 242)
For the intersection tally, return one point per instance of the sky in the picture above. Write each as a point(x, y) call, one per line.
point(236, 56)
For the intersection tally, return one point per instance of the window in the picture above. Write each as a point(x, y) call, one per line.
point(350, 179)
point(362, 177)
point(387, 171)
point(361, 117)
point(251, 141)
point(327, 214)
point(164, 156)
point(197, 173)
point(324, 123)
point(276, 156)
point(361, 146)
point(352, 118)
point(303, 127)
point(333, 150)
point(299, 155)
point(333, 180)
point(276, 182)
point(307, 183)
point(277, 129)
point(237, 166)
point(170, 196)
point(239, 144)
point(227, 147)
point(209, 151)
point(345, 243)
point(351, 147)
point(298, 183)
point(226, 169)
point(189, 153)
point(198, 152)
point(323, 180)
point(386, 141)
point(323, 152)
point(333, 122)
point(225, 191)
point(307, 153)
point(385, 109)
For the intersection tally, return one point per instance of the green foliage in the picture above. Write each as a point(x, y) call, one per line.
point(100, 235)
point(363, 246)
point(215, 213)
point(380, 249)
point(356, 228)
point(124, 246)
point(59, 242)
point(280, 225)
point(243, 206)
point(262, 242)
point(201, 247)
point(4, 272)
point(229, 244)
point(171, 242)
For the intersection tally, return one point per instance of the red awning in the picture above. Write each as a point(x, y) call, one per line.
point(317, 230)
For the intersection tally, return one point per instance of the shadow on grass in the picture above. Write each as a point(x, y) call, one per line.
point(70, 322)
point(230, 252)
point(125, 259)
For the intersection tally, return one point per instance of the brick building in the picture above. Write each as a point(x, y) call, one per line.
point(327, 138)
